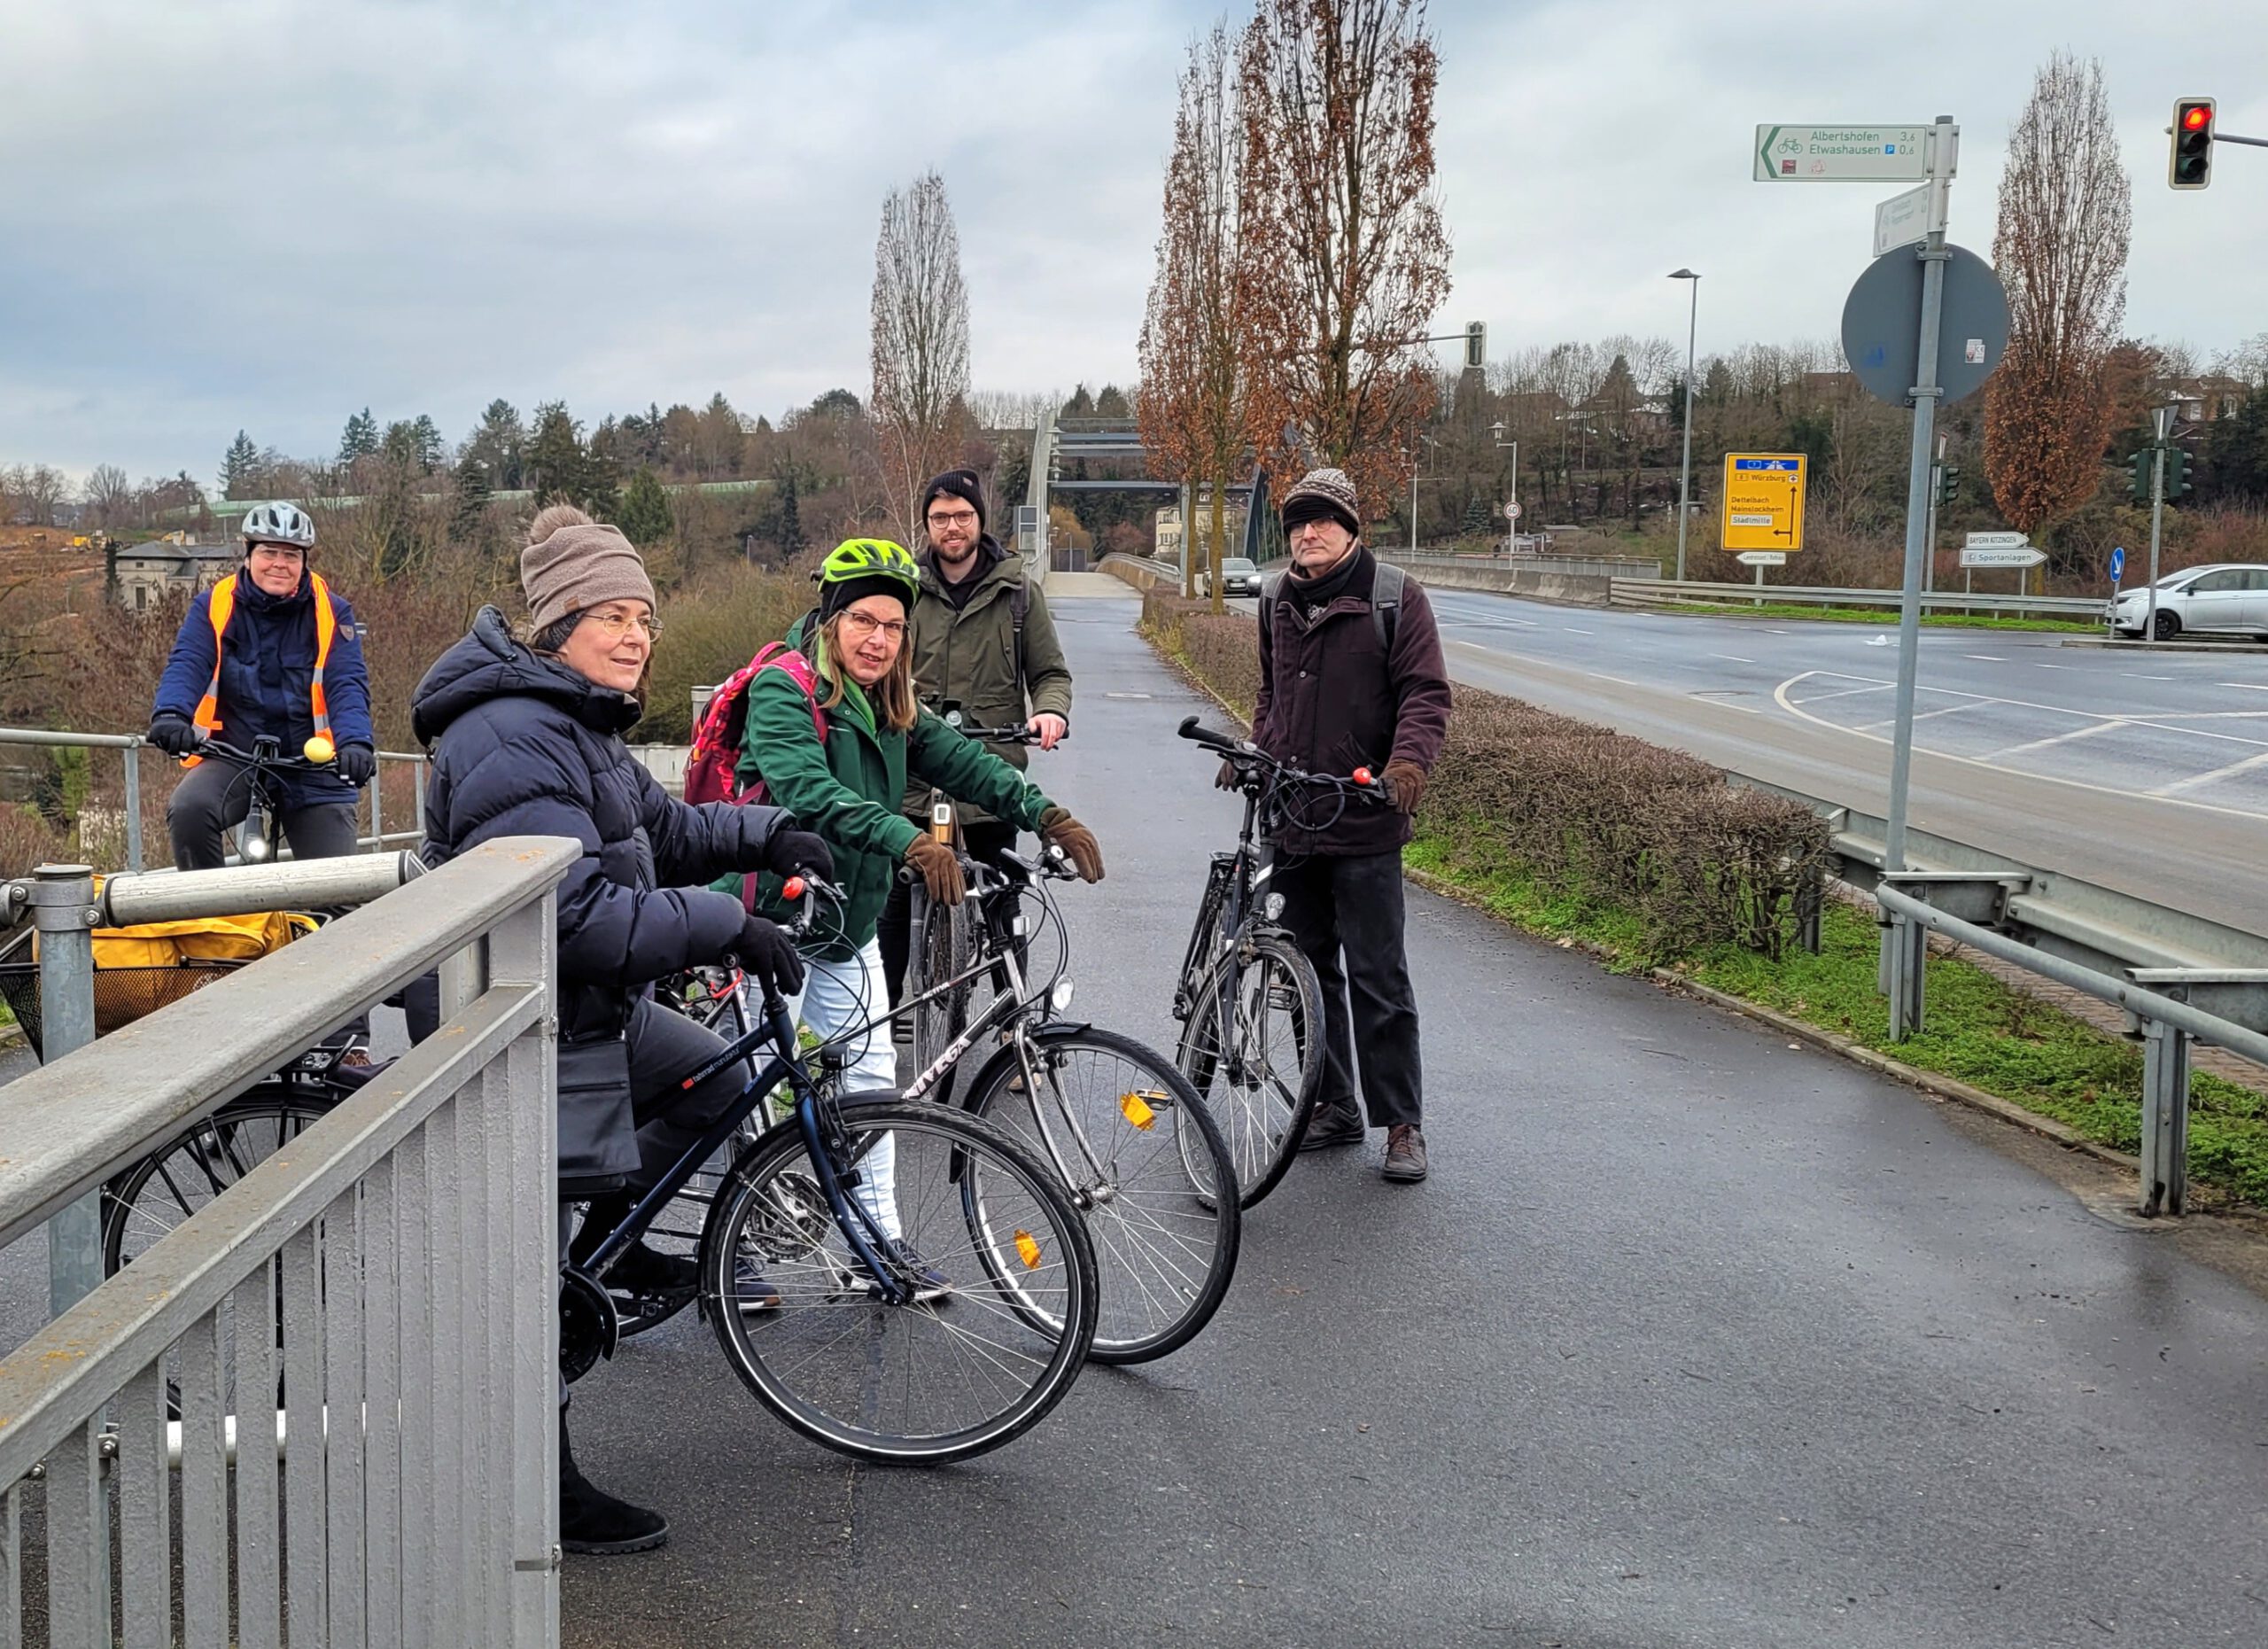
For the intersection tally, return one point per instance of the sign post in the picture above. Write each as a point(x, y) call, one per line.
point(2117, 568)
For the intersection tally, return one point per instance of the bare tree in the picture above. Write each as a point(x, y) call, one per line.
point(1340, 205)
point(2061, 249)
point(1194, 402)
point(921, 344)
point(110, 498)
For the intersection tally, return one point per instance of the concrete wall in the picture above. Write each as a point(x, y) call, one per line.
point(1537, 578)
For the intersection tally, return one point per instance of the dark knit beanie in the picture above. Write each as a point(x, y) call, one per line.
point(1322, 493)
point(960, 484)
point(833, 598)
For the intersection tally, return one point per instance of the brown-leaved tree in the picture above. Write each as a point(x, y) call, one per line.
point(1192, 405)
point(1348, 244)
point(2066, 211)
point(920, 346)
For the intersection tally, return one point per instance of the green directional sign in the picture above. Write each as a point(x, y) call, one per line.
point(1841, 154)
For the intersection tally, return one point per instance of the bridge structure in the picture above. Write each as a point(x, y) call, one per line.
point(1058, 441)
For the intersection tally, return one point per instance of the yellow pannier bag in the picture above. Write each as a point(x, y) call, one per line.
point(198, 939)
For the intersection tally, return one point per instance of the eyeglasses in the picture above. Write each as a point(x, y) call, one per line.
point(957, 518)
point(615, 623)
point(858, 626)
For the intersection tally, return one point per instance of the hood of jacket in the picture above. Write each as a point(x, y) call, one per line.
point(491, 663)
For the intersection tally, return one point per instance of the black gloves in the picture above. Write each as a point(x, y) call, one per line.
point(788, 852)
point(767, 955)
point(358, 764)
point(176, 735)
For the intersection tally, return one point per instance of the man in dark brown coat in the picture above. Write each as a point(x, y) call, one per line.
point(1351, 676)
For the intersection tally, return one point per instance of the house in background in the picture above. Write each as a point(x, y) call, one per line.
point(143, 575)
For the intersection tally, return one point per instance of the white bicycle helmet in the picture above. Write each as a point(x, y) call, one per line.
point(279, 523)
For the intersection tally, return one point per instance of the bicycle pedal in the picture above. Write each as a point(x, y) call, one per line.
point(901, 1033)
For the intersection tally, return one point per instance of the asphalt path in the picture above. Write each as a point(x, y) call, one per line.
point(2145, 773)
point(1695, 1338)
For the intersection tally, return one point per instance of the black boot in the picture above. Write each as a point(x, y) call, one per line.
point(594, 1522)
point(639, 1269)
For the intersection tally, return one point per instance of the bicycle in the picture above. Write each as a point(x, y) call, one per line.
point(256, 833)
point(943, 937)
point(858, 1354)
point(1249, 1005)
point(1144, 1162)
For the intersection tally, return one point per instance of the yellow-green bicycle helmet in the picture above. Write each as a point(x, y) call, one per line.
point(860, 567)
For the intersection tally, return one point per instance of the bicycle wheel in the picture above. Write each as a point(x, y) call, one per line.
point(944, 945)
point(182, 1177)
point(1146, 1164)
point(922, 1383)
point(1253, 1049)
point(677, 1228)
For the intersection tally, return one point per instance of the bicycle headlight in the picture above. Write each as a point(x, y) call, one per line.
point(251, 847)
point(1272, 907)
point(1058, 997)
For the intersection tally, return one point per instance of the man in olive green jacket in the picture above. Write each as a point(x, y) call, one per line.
point(982, 639)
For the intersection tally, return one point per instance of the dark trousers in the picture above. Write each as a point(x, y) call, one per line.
point(1347, 915)
point(215, 796)
point(983, 841)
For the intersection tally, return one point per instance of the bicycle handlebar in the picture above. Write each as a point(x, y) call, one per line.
point(210, 746)
point(1362, 783)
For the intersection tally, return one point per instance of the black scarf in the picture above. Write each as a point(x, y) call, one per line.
point(1314, 594)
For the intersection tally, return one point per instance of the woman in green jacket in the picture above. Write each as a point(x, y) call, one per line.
point(848, 792)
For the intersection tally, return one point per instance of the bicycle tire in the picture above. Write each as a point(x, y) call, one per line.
point(198, 1164)
point(945, 947)
point(1165, 1243)
point(1236, 1070)
point(771, 1212)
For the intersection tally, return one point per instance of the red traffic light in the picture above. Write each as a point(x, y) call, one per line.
point(2190, 165)
point(2196, 117)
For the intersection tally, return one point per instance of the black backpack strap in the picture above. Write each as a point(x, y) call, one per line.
point(1386, 604)
point(1269, 587)
point(1018, 604)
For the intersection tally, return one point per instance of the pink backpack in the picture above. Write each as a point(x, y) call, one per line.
point(717, 740)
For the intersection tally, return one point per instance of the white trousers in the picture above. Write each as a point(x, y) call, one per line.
point(837, 996)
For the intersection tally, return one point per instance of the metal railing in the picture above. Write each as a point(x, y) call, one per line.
point(390, 1279)
point(1661, 591)
point(1621, 569)
point(2180, 978)
point(132, 746)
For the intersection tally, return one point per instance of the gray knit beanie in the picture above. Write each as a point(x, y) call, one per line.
point(1320, 493)
point(579, 564)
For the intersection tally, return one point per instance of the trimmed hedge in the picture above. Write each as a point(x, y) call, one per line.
point(1592, 814)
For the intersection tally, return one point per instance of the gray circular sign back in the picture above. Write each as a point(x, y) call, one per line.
point(1882, 326)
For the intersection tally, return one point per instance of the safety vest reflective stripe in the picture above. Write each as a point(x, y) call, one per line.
point(220, 610)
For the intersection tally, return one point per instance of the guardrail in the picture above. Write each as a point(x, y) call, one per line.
point(1616, 567)
point(390, 1279)
point(2181, 977)
point(132, 746)
point(1660, 592)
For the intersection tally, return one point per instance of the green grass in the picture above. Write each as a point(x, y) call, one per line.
point(1882, 617)
point(1979, 1029)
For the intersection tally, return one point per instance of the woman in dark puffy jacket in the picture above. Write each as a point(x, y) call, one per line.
point(526, 740)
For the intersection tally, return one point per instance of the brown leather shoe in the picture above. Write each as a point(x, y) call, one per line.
point(1405, 1153)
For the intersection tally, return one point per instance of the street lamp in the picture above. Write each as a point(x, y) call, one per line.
point(1512, 523)
point(1685, 472)
point(1415, 459)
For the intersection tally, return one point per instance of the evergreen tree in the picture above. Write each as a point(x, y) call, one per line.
point(1081, 405)
point(497, 442)
point(425, 437)
point(644, 517)
point(1111, 403)
point(790, 532)
point(469, 524)
point(361, 440)
point(555, 460)
point(240, 468)
point(1476, 519)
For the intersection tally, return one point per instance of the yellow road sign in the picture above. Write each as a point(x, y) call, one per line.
point(1763, 500)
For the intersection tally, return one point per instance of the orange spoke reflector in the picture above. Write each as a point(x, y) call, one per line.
point(1137, 1110)
point(1028, 1250)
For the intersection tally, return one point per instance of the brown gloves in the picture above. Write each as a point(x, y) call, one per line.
point(940, 868)
point(1058, 828)
point(1405, 786)
point(1227, 778)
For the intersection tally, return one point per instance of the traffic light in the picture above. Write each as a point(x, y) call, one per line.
point(1476, 346)
point(2177, 472)
point(2139, 488)
point(1948, 483)
point(2191, 165)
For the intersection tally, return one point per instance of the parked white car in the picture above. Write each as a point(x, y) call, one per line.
point(2227, 597)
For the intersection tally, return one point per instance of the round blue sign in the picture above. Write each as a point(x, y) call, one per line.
point(2117, 562)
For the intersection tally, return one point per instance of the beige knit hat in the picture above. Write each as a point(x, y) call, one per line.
point(576, 564)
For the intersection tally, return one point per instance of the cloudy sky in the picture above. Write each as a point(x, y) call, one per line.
point(269, 213)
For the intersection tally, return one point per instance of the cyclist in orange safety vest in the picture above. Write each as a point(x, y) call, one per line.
point(268, 651)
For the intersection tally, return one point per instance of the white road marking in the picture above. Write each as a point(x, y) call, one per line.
point(1781, 696)
point(1726, 704)
point(1735, 658)
point(2061, 738)
point(1572, 630)
point(2249, 687)
point(1618, 680)
point(1930, 715)
point(2131, 676)
point(1845, 692)
point(2193, 781)
point(1988, 658)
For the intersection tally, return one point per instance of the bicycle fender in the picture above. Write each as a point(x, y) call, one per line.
point(1053, 1030)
